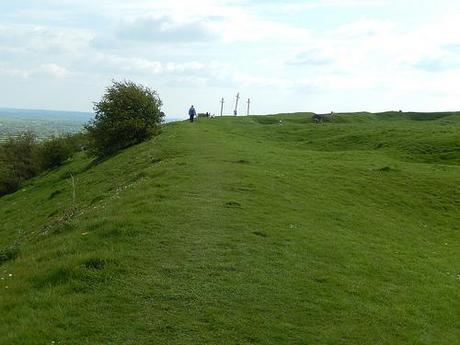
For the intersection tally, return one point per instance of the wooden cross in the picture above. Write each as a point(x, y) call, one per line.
point(236, 104)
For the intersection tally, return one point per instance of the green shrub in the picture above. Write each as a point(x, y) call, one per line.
point(55, 151)
point(9, 253)
point(23, 157)
point(127, 114)
point(8, 182)
point(18, 161)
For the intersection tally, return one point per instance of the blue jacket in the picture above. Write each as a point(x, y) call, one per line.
point(192, 112)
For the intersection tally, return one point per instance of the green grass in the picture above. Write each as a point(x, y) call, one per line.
point(248, 230)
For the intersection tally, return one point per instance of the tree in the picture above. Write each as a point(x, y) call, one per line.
point(18, 161)
point(127, 114)
point(24, 156)
point(56, 150)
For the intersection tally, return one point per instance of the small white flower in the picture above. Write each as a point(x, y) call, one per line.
point(10, 275)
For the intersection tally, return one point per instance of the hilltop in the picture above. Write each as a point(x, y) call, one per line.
point(243, 230)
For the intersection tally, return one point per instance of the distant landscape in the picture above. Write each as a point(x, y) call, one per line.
point(44, 123)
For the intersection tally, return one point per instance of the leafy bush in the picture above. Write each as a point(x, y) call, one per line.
point(18, 161)
point(56, 150)
point(8, 182)
point(23, 157)
point(127, 114)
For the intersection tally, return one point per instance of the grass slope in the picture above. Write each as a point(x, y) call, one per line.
point(256, 230)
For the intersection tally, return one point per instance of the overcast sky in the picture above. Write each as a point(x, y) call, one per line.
point(310, 55)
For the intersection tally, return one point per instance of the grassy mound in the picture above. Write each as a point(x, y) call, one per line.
point(255, 230)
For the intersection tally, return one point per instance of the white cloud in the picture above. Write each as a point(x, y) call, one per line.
point(107, 62)
point(311, 57)
point(43, 39)
point(297, 6)
point(164, 29)
point(365, 27)
point(53, 70)
point(48, 70)
point(14, 72)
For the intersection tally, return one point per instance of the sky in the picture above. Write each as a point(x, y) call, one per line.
point(286, 56)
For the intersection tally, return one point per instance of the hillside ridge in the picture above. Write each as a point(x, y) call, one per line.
point(250, 230)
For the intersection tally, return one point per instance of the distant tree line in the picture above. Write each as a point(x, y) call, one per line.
point(127, 114)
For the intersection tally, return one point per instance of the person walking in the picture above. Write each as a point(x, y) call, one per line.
point(192, 113)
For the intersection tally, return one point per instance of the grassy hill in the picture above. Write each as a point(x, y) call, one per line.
point(247, 230)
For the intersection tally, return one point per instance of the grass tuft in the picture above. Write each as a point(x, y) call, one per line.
point(95, 264)
point(233, 204)
point(9, 253)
